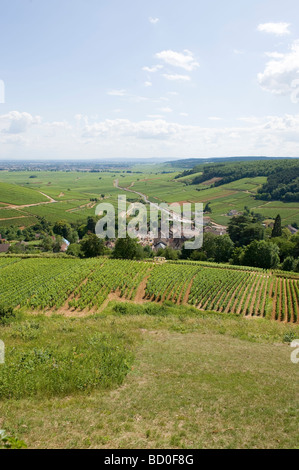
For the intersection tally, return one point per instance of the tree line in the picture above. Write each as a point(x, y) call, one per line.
point(247, 243)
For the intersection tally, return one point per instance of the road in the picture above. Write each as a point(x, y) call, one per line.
point(170, 213)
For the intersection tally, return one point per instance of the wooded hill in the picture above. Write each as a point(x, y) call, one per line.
point(282, 176)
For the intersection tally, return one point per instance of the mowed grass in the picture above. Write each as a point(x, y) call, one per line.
point(197, 381)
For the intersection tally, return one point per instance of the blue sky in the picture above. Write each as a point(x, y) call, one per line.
point(133, 79)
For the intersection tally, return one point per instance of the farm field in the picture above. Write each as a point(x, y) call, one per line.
point(85, 286)
point(73, 190)
point(18, 195)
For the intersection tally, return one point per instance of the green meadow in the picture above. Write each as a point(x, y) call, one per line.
point(170, 378)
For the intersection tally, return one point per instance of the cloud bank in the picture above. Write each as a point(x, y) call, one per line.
point(25, 136)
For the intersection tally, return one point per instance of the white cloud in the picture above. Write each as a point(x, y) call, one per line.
point(280, 71)
point(280, 29)
point(153, 20)
point(117, 92)
point(184, 114)
point(166, 110)
point(267, 135)
point(215, 118)
point(153, 69)
point(274, 55)
point(183, 60)
point(176, 76)
point(238, 52)
point(148, 83)
point(138, 99)
point(15, 122)
point(250, 119)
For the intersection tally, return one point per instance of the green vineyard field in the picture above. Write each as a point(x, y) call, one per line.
point(70, 285)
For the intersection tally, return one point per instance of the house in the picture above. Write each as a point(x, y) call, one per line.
point(233, 212)
point(110, 244)
point(4, 247)
point(65, 245)
point(160, 244)
point(215, 230)
point(292, 229)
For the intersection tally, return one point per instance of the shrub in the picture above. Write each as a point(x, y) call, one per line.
point(289, 336)
point(10, 442)
point(27, 331)
point(7, 314)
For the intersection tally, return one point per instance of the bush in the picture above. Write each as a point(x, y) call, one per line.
point(121, 308)
point(10, 442)
point(27, 331)
point(289, 336)
point(145, 309)
point(7, 314)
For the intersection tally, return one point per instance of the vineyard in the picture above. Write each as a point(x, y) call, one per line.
point(60, 285)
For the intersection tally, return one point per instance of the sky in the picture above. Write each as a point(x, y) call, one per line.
point(129, 79)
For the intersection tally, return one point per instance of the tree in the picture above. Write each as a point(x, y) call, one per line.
point(209, 245)
point(286, 247)
point(197, 255)
point(261, 254)
point(243, 229)
point(148, 252)
point(82, 230)
point(28, 235)
point(207, 207)
point(57, 244)
point(277, 231)
point(47, 244)
point(73, 236)
point(18, 248)
point(127, 248)
point(92, 246)
point(91, 224)
point(295, 240)
point(74, 249)
point(62, 228)
point(288, 264)
point(223, 248)
point(169, 253)
point(237, 256)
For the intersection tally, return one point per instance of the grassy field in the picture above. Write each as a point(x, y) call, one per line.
point(181, 379)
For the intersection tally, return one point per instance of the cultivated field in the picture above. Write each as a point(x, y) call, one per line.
point(71, 193)
point(85, 286)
